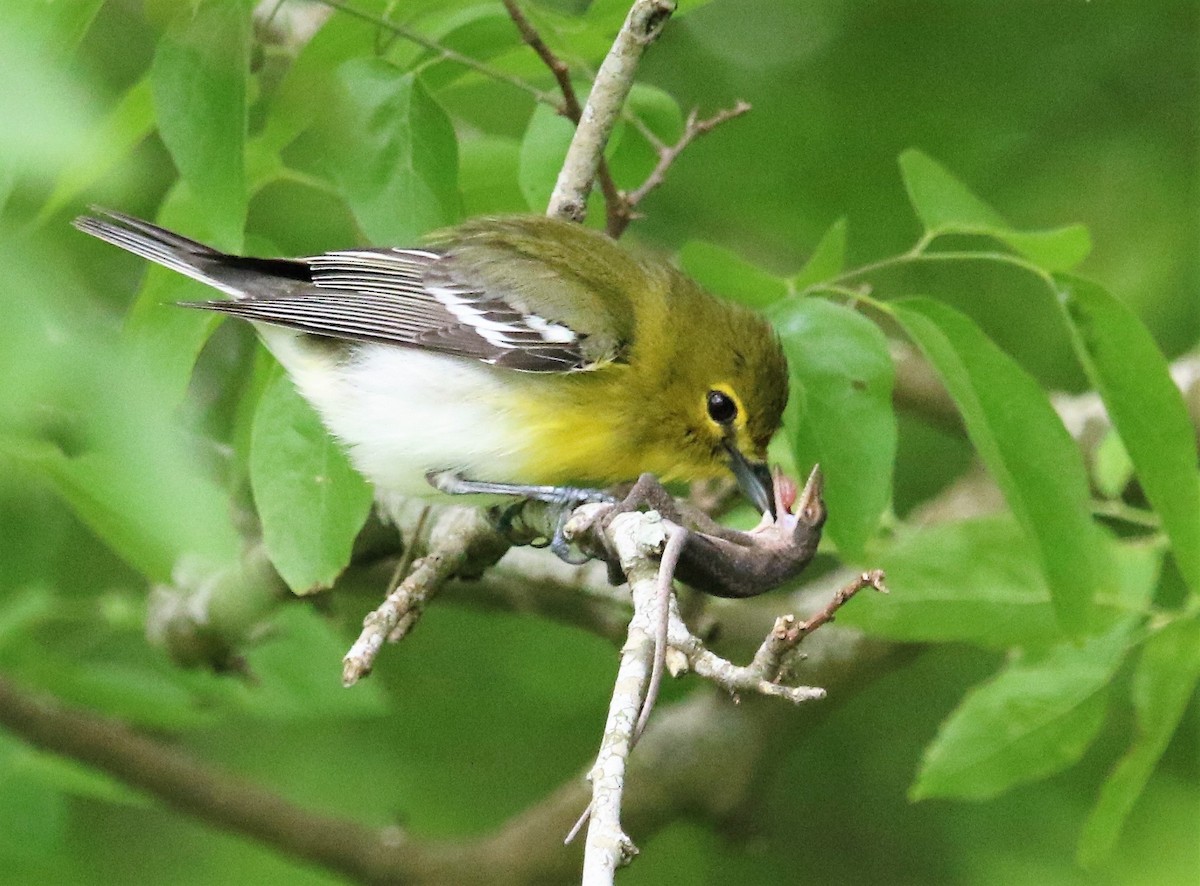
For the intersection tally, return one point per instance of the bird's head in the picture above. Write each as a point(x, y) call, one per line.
point(726, 390)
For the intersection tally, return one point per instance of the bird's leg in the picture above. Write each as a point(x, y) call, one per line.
point(455, 484)
point(563, 499)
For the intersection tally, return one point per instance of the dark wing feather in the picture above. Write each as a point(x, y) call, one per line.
point(407, 297)
point(390, 296)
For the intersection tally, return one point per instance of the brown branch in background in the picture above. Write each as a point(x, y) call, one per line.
point(198, 789)
point(667, 155)
point(614, 200)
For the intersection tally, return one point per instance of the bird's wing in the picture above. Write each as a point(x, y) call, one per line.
point(402, 297)
point(458, 301)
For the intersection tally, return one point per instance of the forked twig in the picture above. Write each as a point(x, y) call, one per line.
point(668, 154)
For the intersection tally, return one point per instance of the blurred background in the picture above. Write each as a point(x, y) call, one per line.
point(1054, 111)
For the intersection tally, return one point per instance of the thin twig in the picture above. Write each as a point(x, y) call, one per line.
point(562, 73)
point(405, 564)
point(668, 154)
point(609, 90)
point(462, 537)
point(614, 200)
point(762, 675)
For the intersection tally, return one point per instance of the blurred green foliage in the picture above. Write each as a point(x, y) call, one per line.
point(1037, 137)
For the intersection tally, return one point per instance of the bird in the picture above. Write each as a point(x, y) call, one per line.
point(510, 355)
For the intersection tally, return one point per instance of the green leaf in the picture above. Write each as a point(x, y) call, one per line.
point(123, 129)
point(33, 817)
point(979, 581)
point(1034, 718)
point(1112, 469)
point(298, 676)
point(311, 502)
point(941, 201)
point(148, 515)
point(658, 109)
point(392, 150)
point(199, 81)
point(946, 206)
point(1025, 447)
point(488, 175)
point(543, 148)
point(1057, 249)
point(726, 273)
point(1164, 682)
point(840, 360)
point(44, 100)
point(71, 777)
point(139, 695)
point(1146, 408)
point(827, 261)
point(164, 338)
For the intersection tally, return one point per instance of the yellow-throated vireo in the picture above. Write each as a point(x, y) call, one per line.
point(506, 353)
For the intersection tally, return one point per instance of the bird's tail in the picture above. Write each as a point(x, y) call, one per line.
point(236, 276)
point(158, 245)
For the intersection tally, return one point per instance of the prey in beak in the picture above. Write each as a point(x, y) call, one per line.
point(753, 478)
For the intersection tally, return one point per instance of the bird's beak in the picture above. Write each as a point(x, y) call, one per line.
point(753, 478)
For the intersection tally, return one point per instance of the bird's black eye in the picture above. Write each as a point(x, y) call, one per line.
point(721, 407)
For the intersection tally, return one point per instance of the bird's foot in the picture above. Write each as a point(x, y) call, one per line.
point(563, 501)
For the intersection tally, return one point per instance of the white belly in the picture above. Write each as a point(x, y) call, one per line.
point(403, 413)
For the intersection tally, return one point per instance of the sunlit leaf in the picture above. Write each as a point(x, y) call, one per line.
point(827, 260)
point(394, 153)
point(1146, 408)
point(1112, 469)
point(979, 581)
point(1025, 447)
point(726, 273)
point(946, 206)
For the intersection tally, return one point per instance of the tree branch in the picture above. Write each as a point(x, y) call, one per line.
point(611, 87)
point(196, 789)
point(463, 540)
point(614, 201)
point(443, 52)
